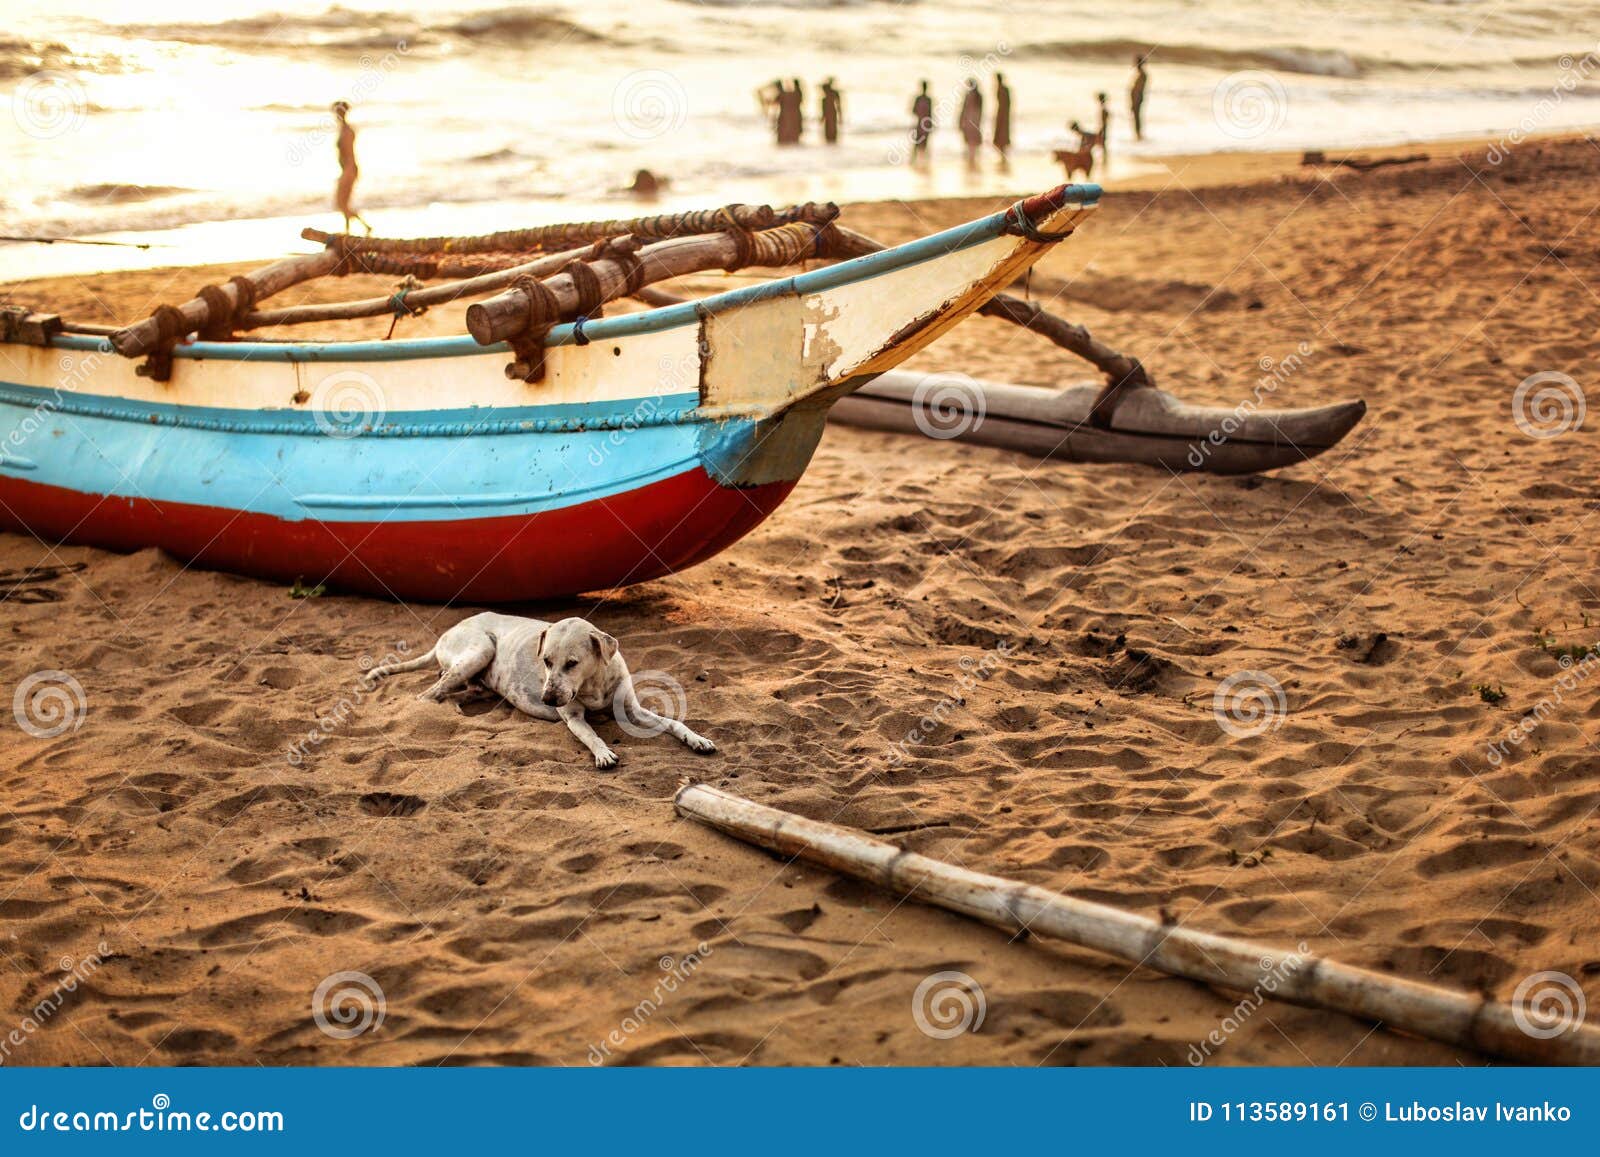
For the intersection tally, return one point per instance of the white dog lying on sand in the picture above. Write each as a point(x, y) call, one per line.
point(548, 670)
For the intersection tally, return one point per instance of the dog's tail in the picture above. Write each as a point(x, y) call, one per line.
point(388, 669)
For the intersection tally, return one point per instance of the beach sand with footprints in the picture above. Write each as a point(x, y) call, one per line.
point(1287, 708)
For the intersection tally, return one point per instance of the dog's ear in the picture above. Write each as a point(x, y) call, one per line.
point(604, 645)
point(538, 646)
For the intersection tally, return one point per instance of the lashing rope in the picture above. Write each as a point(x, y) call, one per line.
point(221, 310)
point(544, 311)
point(398, 306)
point(170, 326)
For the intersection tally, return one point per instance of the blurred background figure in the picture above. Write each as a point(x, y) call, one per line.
point(1104, 134)
point(972, 121)
point(646, 185)
point(1002, 118)
point(1080, 159)
point(347, 168)
point(921, 125)
point(791, 114)
point(1136, 96)
point(832, 111)
point(769, 97)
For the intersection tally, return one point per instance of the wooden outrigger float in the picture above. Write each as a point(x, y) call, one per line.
point(1075, 423)
point(549, 450)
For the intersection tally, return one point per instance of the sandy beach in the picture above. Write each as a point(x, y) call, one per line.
point(200, 867)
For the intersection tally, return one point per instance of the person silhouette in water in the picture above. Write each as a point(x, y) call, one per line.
point(832, 111)
point(1002, 117)
point(1136, 96)
point(1105, 129)
point(791, 114)
point(921, 125)
point(972, 122)
point(347, 168)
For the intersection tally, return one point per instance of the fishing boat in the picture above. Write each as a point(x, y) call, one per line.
point(546, 452)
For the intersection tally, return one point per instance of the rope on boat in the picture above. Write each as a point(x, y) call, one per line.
point(544, 313)
point(1017, 223)
point(221, 310)
point(398, 305)
point(170, 327)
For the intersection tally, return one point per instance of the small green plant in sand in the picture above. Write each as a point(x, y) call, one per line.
point(300, 591)
point(1574, 652)
point(1490, 694)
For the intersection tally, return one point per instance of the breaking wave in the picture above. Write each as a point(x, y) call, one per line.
point(1310, 61)
point(340, 28)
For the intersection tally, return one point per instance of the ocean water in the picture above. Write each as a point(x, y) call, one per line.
point(202, 126)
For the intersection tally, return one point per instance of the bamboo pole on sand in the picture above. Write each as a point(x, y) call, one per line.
point(1458, 1018)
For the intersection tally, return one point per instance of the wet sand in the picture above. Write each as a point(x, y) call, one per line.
point(1065, 626)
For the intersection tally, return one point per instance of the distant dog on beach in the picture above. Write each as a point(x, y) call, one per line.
point(548, 670)
point(1076, 160)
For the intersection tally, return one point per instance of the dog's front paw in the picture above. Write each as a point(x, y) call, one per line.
point(605, 759)
point(700, 744)
point(430, 697)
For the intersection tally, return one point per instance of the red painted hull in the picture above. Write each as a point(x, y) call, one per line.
point(610, 542)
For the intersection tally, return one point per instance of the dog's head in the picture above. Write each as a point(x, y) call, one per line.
point(571, 653)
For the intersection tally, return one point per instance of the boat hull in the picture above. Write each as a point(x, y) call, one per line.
point(630, 537)
point(418, 470)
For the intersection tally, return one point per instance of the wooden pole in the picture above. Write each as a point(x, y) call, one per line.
point(505, 316)
point(141, 337)
point(1457, 1018)
point(416, 299)
point(655, 227)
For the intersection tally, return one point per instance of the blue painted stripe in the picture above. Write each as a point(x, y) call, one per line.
point(628, 325)
point(564, 417)
point(358, 479)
